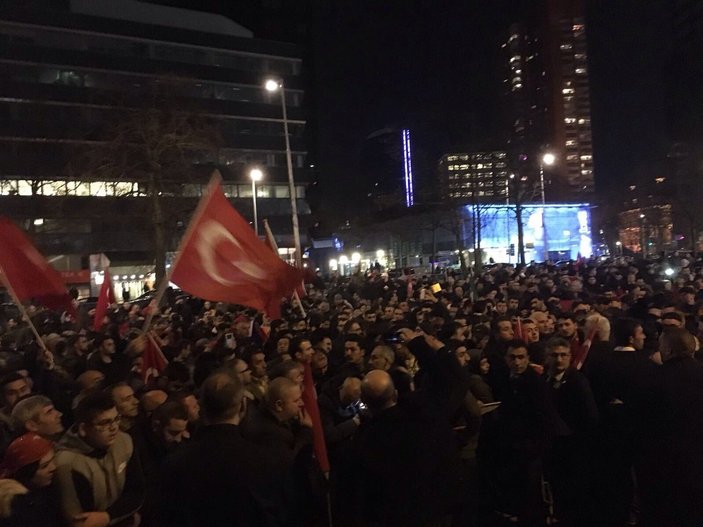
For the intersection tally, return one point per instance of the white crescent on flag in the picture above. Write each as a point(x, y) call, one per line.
point(213, 233)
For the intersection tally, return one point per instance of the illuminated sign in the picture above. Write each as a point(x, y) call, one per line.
point(553, 231)
point(408, 168)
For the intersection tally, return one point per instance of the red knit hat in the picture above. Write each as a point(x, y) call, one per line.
point(23, 451)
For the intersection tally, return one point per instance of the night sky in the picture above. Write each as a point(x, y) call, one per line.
point(432, 66)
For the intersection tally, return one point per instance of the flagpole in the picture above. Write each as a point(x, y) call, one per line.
point(23, 311)
point(214, 181)
point(272, 241)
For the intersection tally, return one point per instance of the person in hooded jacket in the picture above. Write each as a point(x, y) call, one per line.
point(27, 493)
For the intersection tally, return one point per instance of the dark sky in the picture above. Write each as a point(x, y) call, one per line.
point(430, 65)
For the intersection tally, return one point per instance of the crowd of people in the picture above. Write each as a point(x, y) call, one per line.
point(520, 395)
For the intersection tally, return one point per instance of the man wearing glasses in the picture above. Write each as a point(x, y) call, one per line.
point(568, 463)
point(100, 480)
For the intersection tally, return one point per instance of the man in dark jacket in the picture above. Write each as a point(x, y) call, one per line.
point(568, 460)
point(624, 387)
point(670, 481)
point(512, 447)
point(219, 478)
point(407, 460)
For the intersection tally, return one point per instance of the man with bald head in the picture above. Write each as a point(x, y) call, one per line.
point(220, 478)
point(401, 443)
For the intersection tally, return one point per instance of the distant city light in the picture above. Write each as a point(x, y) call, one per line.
point(669, 271)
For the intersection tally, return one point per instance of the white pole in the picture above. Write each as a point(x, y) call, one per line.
point(291, 184)
point(541, 180)
point(256, 216)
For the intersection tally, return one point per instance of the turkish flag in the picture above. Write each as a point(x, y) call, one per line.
point(270, 242)
point(105, 299)
point(222, 259)
point(26, 272)
point(153, 360)
point(311, 407)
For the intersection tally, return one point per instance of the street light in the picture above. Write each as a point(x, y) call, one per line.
point(273, 85)
point(547, 159)
point(256, 175)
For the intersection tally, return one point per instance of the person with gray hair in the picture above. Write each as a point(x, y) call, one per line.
point(598, 326)
point(37, 414)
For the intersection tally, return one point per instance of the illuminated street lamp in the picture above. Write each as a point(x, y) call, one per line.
point(256, 175)
point(548, 159)
point(273, 85)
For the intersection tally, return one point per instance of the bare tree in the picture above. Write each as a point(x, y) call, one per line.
point(153, 140)
point(522, 190)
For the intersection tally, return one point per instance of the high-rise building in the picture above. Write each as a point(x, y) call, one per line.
point(474, 177)
point(548, 97)
point(68, 73)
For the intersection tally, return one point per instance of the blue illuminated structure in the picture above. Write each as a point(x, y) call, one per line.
point(408, 167)
point(552, 231)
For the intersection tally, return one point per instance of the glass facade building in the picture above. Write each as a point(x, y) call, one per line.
point(553, 231)
point(67, 74)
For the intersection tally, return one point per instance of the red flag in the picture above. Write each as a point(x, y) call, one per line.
point(581, 353)
point(313, 410)
point(24, 270)
point(153, 360)
point(222, 259)
point(270, 242)
point(105, 299)
point(517, 329)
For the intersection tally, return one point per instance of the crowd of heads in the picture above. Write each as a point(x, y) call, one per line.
point(224, 361)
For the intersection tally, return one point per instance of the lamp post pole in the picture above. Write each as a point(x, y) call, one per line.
point(255, 175)
point(273, 85)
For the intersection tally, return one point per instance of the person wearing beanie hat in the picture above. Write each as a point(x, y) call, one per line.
point(27, 495)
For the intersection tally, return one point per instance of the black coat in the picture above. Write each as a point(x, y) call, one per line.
point(673, 463)
point(574, 404)
point(525, 419)
point(290, 439)
point(221, 479)
point(407, 464)
point(38, 507)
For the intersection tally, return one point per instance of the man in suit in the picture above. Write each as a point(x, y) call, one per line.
point(567, 461)
point(219, 478)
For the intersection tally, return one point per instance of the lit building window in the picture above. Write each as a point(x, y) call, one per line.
point(517, 87)
point(570, 142)
point(514, 58)
point(586, 158)
point(565, 47)
point(569, 120)
point(580, 71)
point(567, 91)
point(584, 121)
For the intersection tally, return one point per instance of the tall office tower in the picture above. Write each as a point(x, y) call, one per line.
point(474, 177)
point(684, 78)
point(548, 97)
